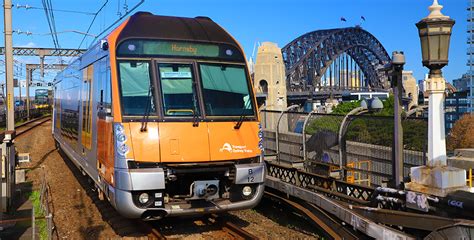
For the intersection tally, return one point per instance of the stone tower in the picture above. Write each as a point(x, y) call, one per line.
point(270, 79)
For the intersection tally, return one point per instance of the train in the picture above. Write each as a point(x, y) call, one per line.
point(161, 115)
point(42, 98)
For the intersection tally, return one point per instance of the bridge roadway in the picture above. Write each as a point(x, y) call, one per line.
point(351, 204)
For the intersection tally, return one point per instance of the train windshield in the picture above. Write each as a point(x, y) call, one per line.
point(226, 91)
point(178, 90)
point(136, 88)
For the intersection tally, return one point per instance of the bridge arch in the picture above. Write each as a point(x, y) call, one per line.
point(346, 58)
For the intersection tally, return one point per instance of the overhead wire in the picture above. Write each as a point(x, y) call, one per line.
point(46, 11)
point(55, 10)
point(120, 18)
point(92, 22)
point(53, 21)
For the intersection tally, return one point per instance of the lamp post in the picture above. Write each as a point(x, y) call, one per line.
point(365, 106)
point(277, 133)
point(398, 61)
point(436, 178)
point(435, 33)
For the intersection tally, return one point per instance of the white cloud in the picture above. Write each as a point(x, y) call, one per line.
point(29, 45)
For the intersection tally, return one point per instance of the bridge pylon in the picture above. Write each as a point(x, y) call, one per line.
point(270, 81)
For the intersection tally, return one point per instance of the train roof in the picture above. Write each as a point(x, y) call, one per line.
point(148, 26)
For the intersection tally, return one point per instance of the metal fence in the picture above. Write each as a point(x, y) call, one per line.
point(366, 143)
point(21, 115)
point(44, 198)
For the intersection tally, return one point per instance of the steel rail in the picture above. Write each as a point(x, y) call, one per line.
point(152, 232)
point(37, 122)
point(232, 229)
point(327, 228)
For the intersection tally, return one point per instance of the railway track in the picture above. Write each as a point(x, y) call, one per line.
point(217, 226)
point(29, 125)
point(332, 228)
point(231, 229)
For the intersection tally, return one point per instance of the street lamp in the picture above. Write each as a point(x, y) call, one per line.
point(435, 178)
point(372, 105)
point(435, 34)
point(277, 133)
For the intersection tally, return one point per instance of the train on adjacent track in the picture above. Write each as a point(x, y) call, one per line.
point(162, 116)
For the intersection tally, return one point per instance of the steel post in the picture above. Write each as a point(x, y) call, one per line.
point(304, 134)
point(29, 74)
point(398, 61)
point(7, 13)
point(342, 132)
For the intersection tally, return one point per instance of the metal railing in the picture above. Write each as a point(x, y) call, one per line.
point(44, 200)
point(335, 188)
point(22, 115)
point(367, 138)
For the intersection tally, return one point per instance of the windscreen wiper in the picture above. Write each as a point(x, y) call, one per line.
point(195, 110)
point(242, 116)
point(195, 118)
point(146, 116)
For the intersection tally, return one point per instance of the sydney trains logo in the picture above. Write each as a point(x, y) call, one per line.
point(227, 147)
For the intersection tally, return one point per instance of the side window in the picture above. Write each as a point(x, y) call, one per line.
point(103, 83)
point(57, 106)
point(108, 87)
point(178, 90)
point(88, 76)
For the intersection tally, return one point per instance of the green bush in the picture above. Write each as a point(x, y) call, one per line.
point(377, 128)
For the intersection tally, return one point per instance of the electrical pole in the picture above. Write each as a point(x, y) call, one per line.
point(29, 74)
point(7, 13)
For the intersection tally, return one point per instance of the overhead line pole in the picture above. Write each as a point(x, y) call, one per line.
point(7, 9)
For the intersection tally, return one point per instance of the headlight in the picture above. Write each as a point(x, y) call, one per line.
point(121, 137)
point(246, 191)
point(143, 198)
point(119, 128)
point(122, 149)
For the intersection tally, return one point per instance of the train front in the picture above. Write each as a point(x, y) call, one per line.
point(185, 124)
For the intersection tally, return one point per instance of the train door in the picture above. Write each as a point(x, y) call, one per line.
point(182, 137)
point(87, 127)
point(104, 122)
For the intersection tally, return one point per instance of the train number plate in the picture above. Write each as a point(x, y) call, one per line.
point(250, 173)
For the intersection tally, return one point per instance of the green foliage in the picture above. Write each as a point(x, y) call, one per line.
point(40, 223)
point(388, 107)
point(329, 122)
point(345, 107)
point(376, 130)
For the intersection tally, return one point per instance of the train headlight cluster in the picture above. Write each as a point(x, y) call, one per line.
point(143, 198)
point(148, 199)
point(120, 138)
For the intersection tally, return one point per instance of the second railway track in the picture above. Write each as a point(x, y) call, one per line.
point(27, 126)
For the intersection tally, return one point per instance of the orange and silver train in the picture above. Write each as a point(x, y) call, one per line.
point(161, 115)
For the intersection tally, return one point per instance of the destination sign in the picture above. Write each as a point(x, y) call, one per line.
point(161, 48)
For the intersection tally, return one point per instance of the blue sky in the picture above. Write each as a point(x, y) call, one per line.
point(252, 21)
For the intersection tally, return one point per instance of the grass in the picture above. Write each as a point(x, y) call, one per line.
point(40, 223)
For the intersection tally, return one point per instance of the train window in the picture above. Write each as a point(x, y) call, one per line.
point(88, 76)
point(137, 95)
point(177, 86)
point(226, 90)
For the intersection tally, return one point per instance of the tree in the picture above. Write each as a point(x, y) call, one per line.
point(462, 134)
point(388, 106)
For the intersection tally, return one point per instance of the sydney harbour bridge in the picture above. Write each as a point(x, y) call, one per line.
point(335, 61)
